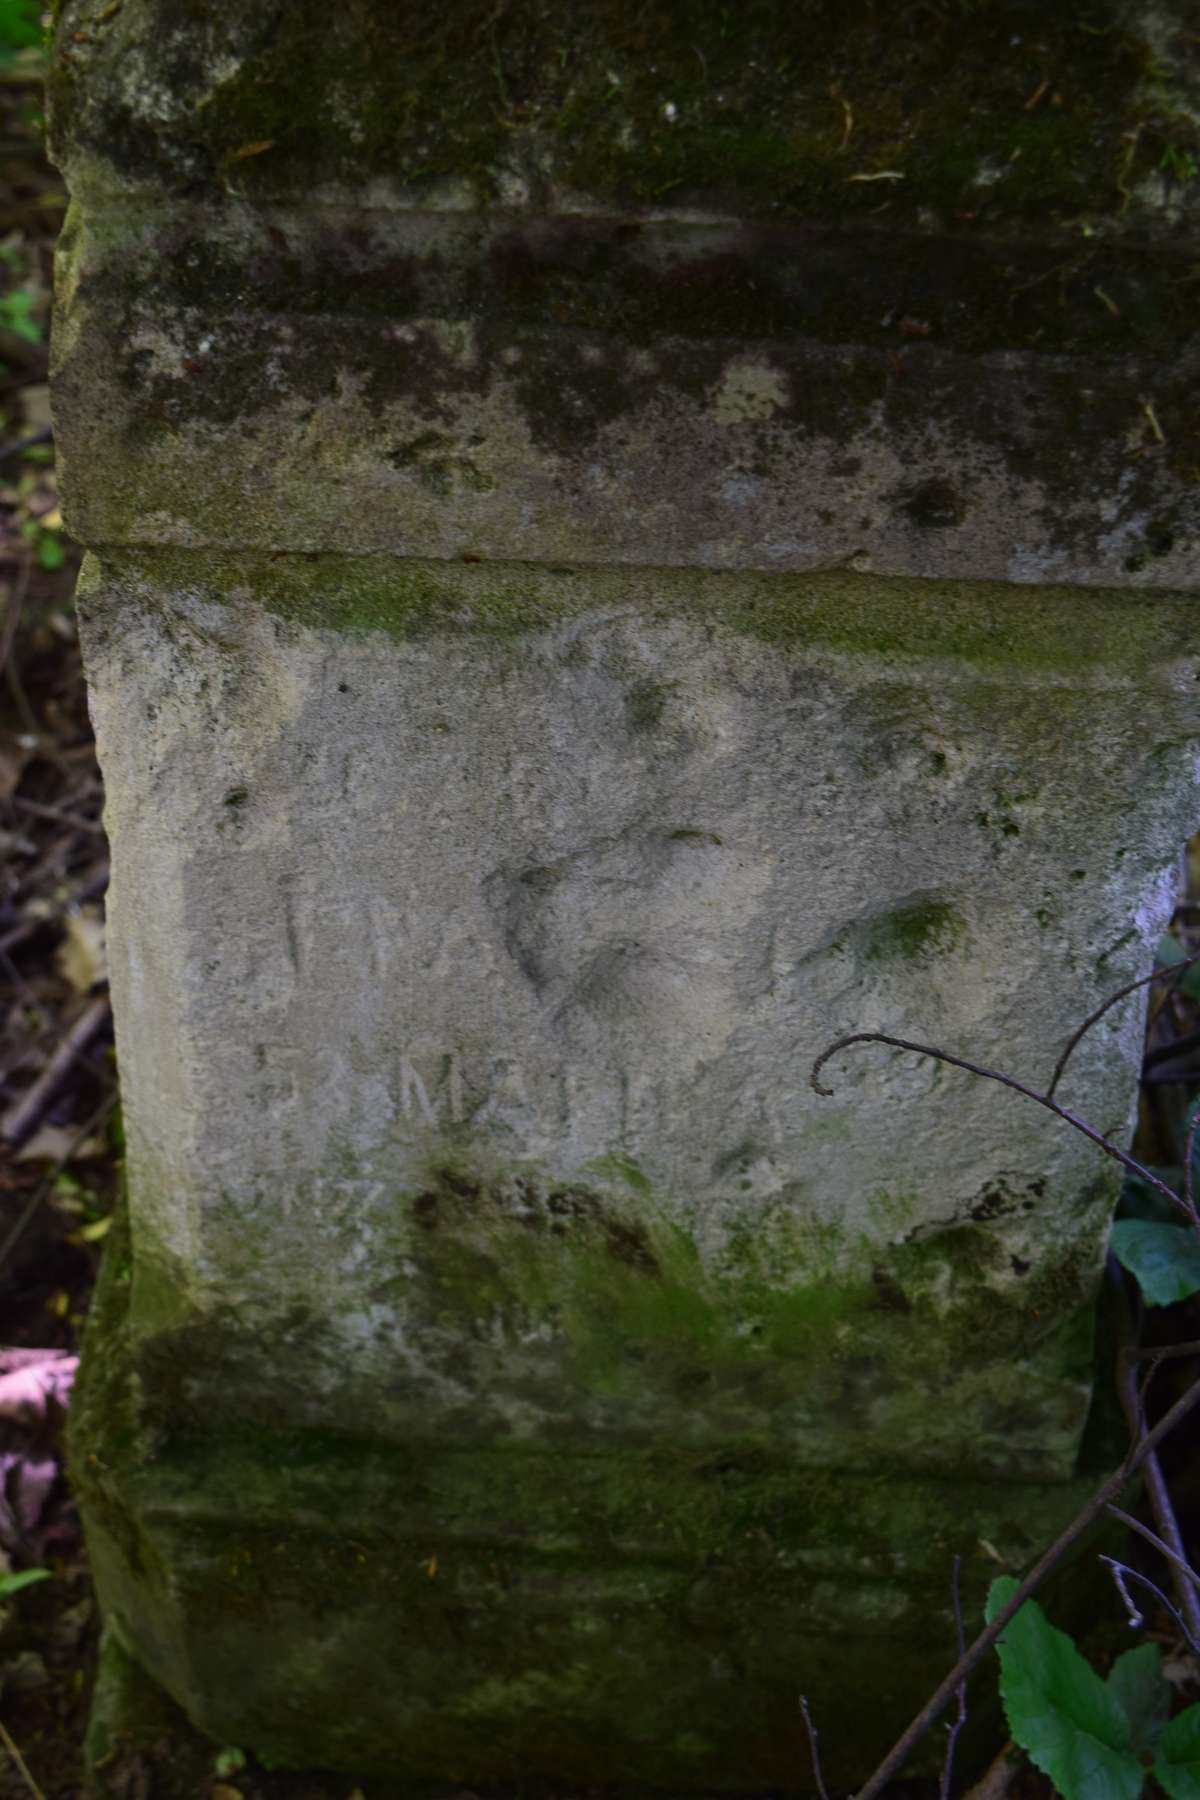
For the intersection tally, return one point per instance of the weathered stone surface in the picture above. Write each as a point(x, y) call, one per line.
point(661, 342)
point(473, 931)
point(513, 1366)
point(699, 393)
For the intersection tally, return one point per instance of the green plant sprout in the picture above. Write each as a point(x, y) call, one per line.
point(13, 1583)
point(1179, 164)
point(16, 315)
point(48, 551)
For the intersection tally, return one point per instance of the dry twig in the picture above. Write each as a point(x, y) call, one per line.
point(21, 1118)
point(21, 1765)
point(1131, 987)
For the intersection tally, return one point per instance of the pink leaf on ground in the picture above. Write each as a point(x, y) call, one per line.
point(33, 1381)
point(28, 1488)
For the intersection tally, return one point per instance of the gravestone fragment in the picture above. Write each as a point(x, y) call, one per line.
point(623, 544)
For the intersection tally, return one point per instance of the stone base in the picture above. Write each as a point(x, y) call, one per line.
point(633, 1616)
point(136, 1731)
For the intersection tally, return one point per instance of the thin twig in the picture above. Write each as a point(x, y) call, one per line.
point(37, 810)
point(1133, 1612)
point(961, 1640)
point(22, 1765)
point(1169, 1538)
point(91, 890)
point(960, 1062)
point(998, 1777)
point(1165, 1053)
point(20, 445)
point(813, 1750)
point(1121, 1573)
point(1189, 1179)
point(1113, 1000)
point(1156, 1353)
point(1105, 1494)
point(12, 615)
point(1152, 1537)
point(46, 1186)
point(21, 1118)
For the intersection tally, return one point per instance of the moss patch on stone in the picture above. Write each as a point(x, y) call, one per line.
point(986, 628)
point(999, 110)
point(587, 1601)
point(919, 929)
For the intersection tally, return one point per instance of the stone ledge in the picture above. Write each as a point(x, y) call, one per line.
point(613, 392)
point(1004, 114)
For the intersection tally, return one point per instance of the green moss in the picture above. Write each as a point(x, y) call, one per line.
point(987, 629)
point(665, 1546)
point(915, 931)
point(765, 108)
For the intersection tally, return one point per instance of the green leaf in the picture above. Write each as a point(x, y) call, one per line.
point(1170, 952)
point(16, 315)
point(1058, 1709)
point(1139, 1201)
point(20, 26)
point(12, 1584)
point(1165, 1259)
point(1137, 1682)
point(50, 553)
point(1177, 1765)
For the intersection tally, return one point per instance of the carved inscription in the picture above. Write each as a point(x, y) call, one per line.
point(434, 1088)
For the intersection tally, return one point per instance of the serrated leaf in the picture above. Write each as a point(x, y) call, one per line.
point(1165, 1259)
point(1137, 1682)
point(1177, 1765)
point(1058, 1709)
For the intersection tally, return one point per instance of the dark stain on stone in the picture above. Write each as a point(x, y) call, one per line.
point(736, 1465)
point(1000, 1198)
point(463, 1187)
point(994, 1202)
point(935, 506)
point(1158, 540)
point(541, 880)
point(569, 390)
point(627, 1242)
point(645, 703)
point(689, 835)
point(521, 1204)
point(889, 1295)
point(425, 1211)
